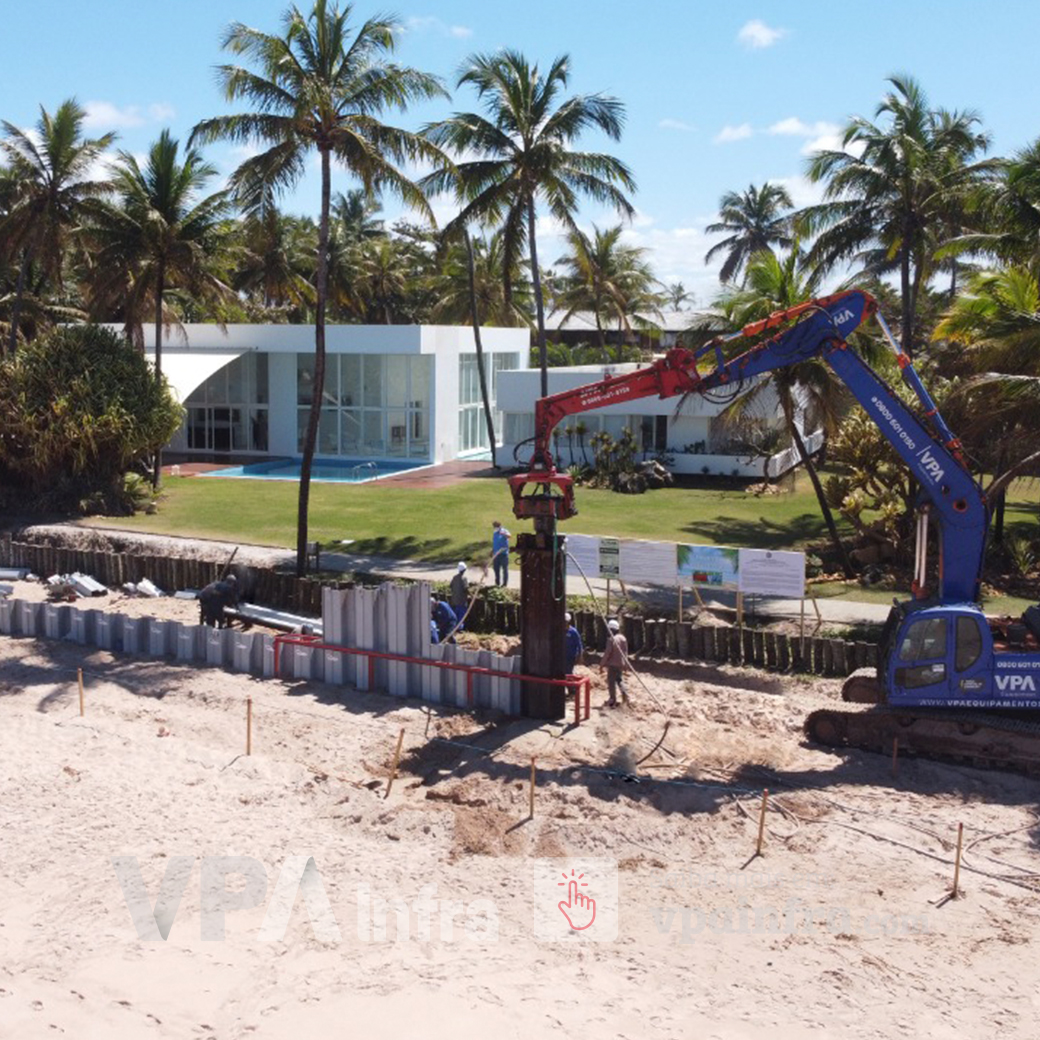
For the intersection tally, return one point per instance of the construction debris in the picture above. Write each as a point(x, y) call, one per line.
point(275, 618)
point(14, 573)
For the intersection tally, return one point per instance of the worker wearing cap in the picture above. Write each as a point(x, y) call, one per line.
point(458, 593)
point(573, 645)
point(615, 662)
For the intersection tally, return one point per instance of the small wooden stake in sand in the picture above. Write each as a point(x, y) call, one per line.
point(762, 822)
point(79, 675)
point(249, 725)
point(530, 811)
point(895, 755)
point(957, 862)
point(397, 758)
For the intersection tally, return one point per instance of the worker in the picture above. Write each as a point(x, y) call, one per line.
point(574, 646)
point(500, 553)
point(443, 617)
point(615, 662)
point(458, 593)
point(214, 598)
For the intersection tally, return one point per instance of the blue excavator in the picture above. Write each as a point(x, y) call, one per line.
point(950, 681)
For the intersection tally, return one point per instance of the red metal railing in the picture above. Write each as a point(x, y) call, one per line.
point(575, 683)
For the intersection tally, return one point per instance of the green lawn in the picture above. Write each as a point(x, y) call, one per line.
point(447, 524)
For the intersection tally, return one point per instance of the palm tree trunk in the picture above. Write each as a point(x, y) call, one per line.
point(906, 337)
point(16, 308)
point(160, 287)
point(538, 302)
point(311, 438)
point(480, 349)
point(825, 509)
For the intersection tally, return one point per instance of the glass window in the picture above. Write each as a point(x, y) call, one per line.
point(237, 376)
point(517, 427)
point(350, 379)
point(328, 432)
point(260, 378)
point(372, 431)
point(419, 371)
point(221, 427)
point(330, 384)
point(969, 643)
point(239, 433)
point(197, 427)
point(396, 381)
point(397, 425)
point(258, 429)
point(419, 435)
point(304, 379)
point(302, 415)
point(373, 381)
point(215, 390)
point(924, 641)
point(921, 675)
point(350, 431)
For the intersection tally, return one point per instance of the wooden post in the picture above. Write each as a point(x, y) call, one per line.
point(895, 755)
point(680, 602)
point(608, 597)
point(816, 607)
point(697, 596)
point(957, 861)
point(740, 610)
point(249, 725)
point(79, 675)
point(530, 811)
point(397, 758)
point(762, 822)
point(802, 630)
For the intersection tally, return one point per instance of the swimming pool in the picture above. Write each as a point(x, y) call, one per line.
point(350, 471)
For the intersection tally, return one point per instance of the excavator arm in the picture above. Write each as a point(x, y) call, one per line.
point(819, 329)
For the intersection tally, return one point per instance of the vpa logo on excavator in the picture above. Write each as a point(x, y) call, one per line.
point(930, 465)
point(843, 316)
point(1015, 683)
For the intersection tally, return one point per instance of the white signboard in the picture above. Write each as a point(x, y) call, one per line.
point(766, 572)
point(609, 558)
point(648, 563)
point(709, 566)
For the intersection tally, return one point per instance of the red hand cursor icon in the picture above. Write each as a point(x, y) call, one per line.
point(579, 910)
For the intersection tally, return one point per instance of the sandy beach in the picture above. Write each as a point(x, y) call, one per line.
point(833, 931)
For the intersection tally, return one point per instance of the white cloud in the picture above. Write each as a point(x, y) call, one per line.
point(822, 136)
point(756, 34)
point(803, 191)
point(103, 114)
point(431, 23)
point(733, 133)
point(675, 124)
point(161, 112)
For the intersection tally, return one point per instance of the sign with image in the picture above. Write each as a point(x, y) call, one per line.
point(609, 558)
point(710, 566)
point(767, 572)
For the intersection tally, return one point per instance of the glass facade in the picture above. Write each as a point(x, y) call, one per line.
point(372, 404)
point(228, 412)
point(472, 425)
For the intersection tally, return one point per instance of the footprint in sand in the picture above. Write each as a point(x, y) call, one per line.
point(37, 1005)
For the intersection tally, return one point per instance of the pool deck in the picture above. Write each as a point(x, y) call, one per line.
point(444, 474)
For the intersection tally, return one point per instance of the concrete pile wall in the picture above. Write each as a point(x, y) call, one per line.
point(388, 619)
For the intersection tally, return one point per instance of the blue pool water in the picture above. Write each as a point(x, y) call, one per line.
point(351, 471)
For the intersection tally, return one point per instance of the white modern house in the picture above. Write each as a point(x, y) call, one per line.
point(690, 433)
point(392, 392)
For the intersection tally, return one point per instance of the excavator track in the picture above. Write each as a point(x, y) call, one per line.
point(991, 741)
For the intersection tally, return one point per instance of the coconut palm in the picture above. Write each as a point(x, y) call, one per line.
point(677, 296)
point(890, 187)
point(808, 393)
point(995, 325)
point(52, 177)
point(525, 159)
point(755, 220)
point(162, 234)
point(607, 278)
point(356, 214)
point(321, 85)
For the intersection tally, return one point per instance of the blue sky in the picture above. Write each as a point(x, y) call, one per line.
point(718, 96)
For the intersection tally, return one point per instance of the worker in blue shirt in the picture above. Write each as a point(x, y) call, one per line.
point(573, 644)
point(443, 616)
point(500, 553)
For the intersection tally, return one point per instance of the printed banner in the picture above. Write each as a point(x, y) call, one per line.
point(770, 573)
point(712, 566)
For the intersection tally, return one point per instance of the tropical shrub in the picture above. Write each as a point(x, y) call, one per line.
point(78, 409)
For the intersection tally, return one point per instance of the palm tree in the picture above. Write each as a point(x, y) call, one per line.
point(525, 158)
point(277, 260)
point(995, 326)
point(322, 85)
point(808, 392)
point(754, 221)
point(677, 296)
point(452, 293)
point(52, 186)
point(890, 186)
point(356, 214)
point(611, 280)
point(163, 234)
